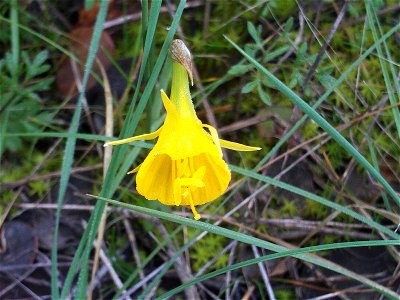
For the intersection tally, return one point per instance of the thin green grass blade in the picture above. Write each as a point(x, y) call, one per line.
point(383, 290)
point(321, 122)
point(89, 4)
point(13, 84)
point(145, 262)
point(3, 130)
point(325, 96)
point(376, 165)
point(389, 58)
point(49, 134)
point(145, 21)
point(14, 41)
point(316, 198)
point(156, 106)
point(71, 141)
point(241, 237)
point(371, 17)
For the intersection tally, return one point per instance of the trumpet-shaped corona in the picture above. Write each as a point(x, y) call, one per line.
point(186, 166)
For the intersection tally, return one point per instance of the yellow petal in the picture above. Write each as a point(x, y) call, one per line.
point(153, 179)
point(184, 137)
point(216, 178)
point(168, 105)
point(214, 135)
point(236, 146)
point(177, 192)
point(142, 137)
point(134, 170)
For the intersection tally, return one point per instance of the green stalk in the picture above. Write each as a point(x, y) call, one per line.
point(180, 92)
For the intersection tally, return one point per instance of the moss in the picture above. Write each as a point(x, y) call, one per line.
point(314, 210)
point(205, 249)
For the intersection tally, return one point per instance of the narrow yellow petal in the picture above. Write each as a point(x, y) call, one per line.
point(236, 146)
point(214, 135)
point(134, 170)
point(168, 105)
point(142, 137)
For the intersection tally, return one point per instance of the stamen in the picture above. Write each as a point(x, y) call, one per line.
point(181, 166)
point(185, 193)
point(191, 182)
point(177, 191)
point(173, 171)
point(196, 215)
point(185, 181)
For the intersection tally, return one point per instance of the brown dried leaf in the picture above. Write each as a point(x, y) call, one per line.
point(80, 42)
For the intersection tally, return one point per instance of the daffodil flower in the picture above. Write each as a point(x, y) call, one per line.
point(186, 166)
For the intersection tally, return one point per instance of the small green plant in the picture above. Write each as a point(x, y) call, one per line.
point(205, 249)
point(314, 210)
point(286, 294)
point(21, 108)
point(38, 188)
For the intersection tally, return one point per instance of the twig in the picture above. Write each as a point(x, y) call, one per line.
point(134, 247)
point(85, 105)
point(229, 273)
point(137, 16)
point(249, 292)
point(50, 175)
point(206, 21)
point(142, 282)
point(264, 274)
point(326, 43)
point(181, 266)
point(107, 158)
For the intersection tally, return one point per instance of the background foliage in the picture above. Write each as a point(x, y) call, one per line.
point(314, 83)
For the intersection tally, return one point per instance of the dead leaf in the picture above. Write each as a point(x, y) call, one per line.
point(80, 42)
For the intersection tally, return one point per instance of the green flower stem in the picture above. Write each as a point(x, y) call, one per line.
point(180, 92)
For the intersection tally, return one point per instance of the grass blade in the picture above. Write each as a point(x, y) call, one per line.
point(383, 290)
point(321, 122)
point(262, 244)
point(316, 198)
point(371, 17)
point(325, 96)
point(71, 141)
point(14, 40)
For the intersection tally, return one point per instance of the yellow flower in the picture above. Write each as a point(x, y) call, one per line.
point(185, 167)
